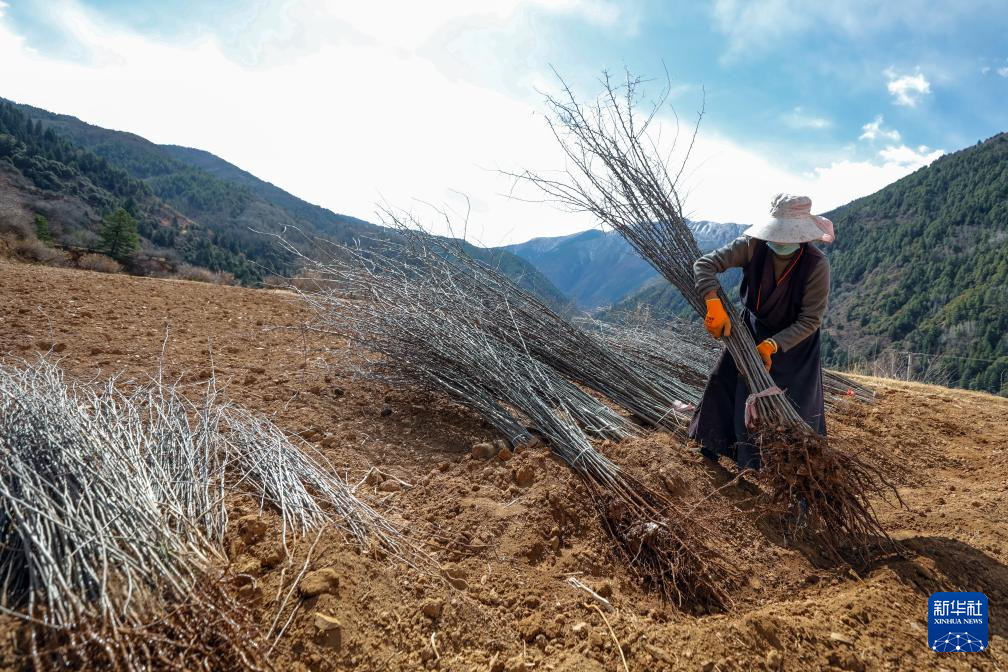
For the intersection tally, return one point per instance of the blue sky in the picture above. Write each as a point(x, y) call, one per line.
point(349, 103)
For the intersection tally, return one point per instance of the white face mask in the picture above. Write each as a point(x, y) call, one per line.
point(783, 249)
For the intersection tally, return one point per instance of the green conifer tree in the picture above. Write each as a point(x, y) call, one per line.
point(42, 230)
point(119, 237)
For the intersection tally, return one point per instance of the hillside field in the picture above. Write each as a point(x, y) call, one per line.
point(508, 551)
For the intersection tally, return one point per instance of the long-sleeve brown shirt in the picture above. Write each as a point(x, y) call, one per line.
point(737, 254)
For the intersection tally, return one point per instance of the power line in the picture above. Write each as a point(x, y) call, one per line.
point(932, 355)
point(925, 354)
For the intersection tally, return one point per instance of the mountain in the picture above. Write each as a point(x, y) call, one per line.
point(191, 206)
point(598, 268)
point(321, 218)
point(46, 177)
point(921, 268)
point(593, 267)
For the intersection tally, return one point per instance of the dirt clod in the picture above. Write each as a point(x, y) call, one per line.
point(272, 556)
point(329, 631)
point(319, 582)
point(432, 609)
point(390, 485)
point(247, 565)
point(483, 451)
point(523, 475)
point(251, 529)
point(456, 577)
point(515, 664)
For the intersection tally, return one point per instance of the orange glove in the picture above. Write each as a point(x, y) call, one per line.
point(717, 321)
point(765, 350)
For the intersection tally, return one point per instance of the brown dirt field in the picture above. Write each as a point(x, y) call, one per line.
point(511, 549)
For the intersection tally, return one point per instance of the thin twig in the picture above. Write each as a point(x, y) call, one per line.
point(619, 647)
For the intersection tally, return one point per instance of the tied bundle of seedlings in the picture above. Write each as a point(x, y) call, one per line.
point(420, 320)
point(412, 304)
point(95, 556)
point(515, 315)
point(200, 451)
point(838, 386)
point(617, 172)
point(112, 520)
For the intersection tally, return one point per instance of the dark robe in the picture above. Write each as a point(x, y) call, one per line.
point(769, 305)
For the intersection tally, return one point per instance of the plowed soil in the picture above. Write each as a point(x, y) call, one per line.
point(504, 600)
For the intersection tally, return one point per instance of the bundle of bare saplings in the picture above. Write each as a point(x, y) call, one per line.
point(618, 172)
point(441, 320)
point(520, 317)
point(112, 521)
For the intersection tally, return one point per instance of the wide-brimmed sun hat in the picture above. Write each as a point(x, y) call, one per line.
point(791, 221)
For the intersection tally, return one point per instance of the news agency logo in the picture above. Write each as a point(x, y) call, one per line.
point(957, 622)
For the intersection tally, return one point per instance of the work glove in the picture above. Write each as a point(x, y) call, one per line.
point(717, 321)
point(765, 349)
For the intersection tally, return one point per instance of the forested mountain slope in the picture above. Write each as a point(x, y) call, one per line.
point(45, 174)
point(922, 267)
point(191, 206)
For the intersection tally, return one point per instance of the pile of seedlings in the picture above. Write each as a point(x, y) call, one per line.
point(112, 520)
point(517, 316)
point(443, 321)
point(616, 172)
point(97, 552)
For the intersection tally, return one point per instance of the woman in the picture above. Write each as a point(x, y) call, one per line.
point(784, 291)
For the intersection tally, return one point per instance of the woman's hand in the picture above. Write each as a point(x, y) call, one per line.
point(766, 349)
point(717, 321)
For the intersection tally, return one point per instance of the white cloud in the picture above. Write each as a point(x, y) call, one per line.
point(409, 25)
point(350, 122)
point(345, 126)
point(798, 118)
point(283, 30)
point(598, 12)
point(873, 131)
point(909, 158)
point(1003, 71)
point(754, 27)
point(842, 181)
point(907, 89)
point(728, 182)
